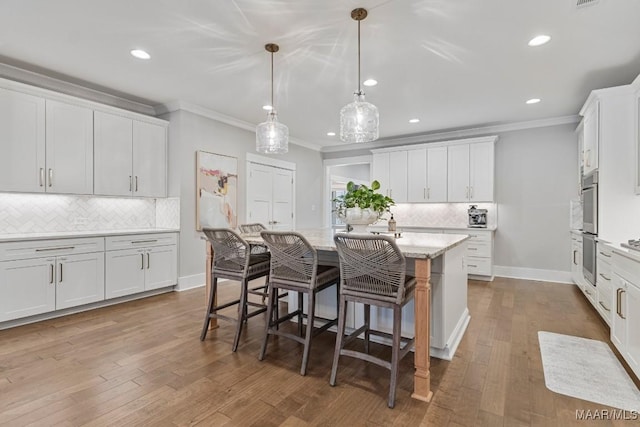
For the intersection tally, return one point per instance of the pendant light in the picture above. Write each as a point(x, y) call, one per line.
point(359, 120)
point(272, 137)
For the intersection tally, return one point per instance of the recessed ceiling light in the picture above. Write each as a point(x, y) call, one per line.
point(370, 82)
point(140, 54)
point(539, 40)
point(533, 101)
point(414, 121)
point(331, 134)
point(267, 107)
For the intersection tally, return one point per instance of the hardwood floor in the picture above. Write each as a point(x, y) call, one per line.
point(142, 363)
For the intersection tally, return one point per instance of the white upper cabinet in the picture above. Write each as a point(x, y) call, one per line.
point(130, 157)
point(427, 175)
point(149, 159)
point(471, 172)
point(69, 152)
point(47, 146)
point(458, 173)
point(390, 169)
point(22, 142)
point(591, 136)
point(113, 144)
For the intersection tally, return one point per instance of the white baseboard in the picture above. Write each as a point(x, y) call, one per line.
point(450, 348)
point(190, 282)
point(533, 274)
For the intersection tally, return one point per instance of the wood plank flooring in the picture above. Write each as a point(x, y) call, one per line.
point(142, 363)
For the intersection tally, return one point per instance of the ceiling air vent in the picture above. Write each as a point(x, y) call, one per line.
point(585, 3)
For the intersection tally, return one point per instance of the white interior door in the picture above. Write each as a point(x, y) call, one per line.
point(270, 196)
point(282, 199)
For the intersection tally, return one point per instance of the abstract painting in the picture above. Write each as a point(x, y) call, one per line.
point(216, 190)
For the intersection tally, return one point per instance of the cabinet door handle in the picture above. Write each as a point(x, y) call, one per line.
point(605, 254)
point(618, 302)
point(41, 177)
point(603, 306)
point(574, 257)
point(55, 249)
point(130, 183)
point(141, 261)
point(60, 280)
point(622, 291)
point(587, 291)
point(604, 277)
point(424, 193)
point(471, 192)
point(467, 196)
point(588, 157)
point(136, 183)
point(428, 192)
point(472, 249)
point(50, 177)
point(51, 273)
point(148, 261)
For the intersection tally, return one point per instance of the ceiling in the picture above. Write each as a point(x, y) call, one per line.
point(452, 64)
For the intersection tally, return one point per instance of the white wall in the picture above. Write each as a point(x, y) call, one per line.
point(536, 177)
point(188, 133)
point(359, 172)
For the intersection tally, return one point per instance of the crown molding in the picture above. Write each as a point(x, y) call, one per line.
point(65, 86)
point(454, 134)
point(170, 107)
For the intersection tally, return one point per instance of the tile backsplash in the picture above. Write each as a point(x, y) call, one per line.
point(440, 214)
point(37, 213)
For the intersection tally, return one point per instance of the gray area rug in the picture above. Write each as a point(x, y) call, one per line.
point(586, 369)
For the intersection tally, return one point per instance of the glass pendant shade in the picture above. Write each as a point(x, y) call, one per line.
point(272, 137)
point(359, 120)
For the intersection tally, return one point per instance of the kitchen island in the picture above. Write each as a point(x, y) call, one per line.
point(438, 263)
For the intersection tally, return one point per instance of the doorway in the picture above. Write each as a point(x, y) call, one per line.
point(338, 172)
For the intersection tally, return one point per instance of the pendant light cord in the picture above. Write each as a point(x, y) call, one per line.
point(272, 106)
point(359, 88)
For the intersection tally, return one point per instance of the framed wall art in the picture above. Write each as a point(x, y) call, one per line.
point(216, 190)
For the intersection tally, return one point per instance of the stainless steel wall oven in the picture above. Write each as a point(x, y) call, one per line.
point(589, 225)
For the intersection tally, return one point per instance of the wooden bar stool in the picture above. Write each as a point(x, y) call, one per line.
point(294, 267)
point(372, 272)
point(234, 260)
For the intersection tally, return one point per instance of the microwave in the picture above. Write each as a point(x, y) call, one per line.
point(589, 198)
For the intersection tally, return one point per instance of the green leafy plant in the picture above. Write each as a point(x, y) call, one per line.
point(363, 197)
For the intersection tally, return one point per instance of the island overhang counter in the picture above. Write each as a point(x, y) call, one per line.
point(438, 263)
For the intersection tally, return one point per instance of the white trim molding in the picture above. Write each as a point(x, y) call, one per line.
point(170, 107)
point(537, 274)
point(190, 282)
point(455, 134)
point(270, 161)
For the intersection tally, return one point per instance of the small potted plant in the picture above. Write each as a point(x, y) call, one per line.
point(361, 206)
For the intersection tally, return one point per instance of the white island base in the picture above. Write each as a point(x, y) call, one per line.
point(449, 313)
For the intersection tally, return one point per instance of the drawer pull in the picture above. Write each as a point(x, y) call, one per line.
point(135, 242)
point(472, 265)
point(603, 306)
point(604, 277)
point(587, 291)
point(604, 254)
point(55, 249)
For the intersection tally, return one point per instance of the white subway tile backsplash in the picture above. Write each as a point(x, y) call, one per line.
point(36, 213)
point(439, 214)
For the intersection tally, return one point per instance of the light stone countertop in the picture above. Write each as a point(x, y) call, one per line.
point(412, 245)
point(418, 228)
point(84, 233)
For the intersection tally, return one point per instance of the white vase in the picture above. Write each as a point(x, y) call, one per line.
point(359, 218)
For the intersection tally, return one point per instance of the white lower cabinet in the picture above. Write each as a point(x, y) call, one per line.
point(31, 283)
point(42, 276)
point(149, 263)
point(479, 252)
point(625, 317)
